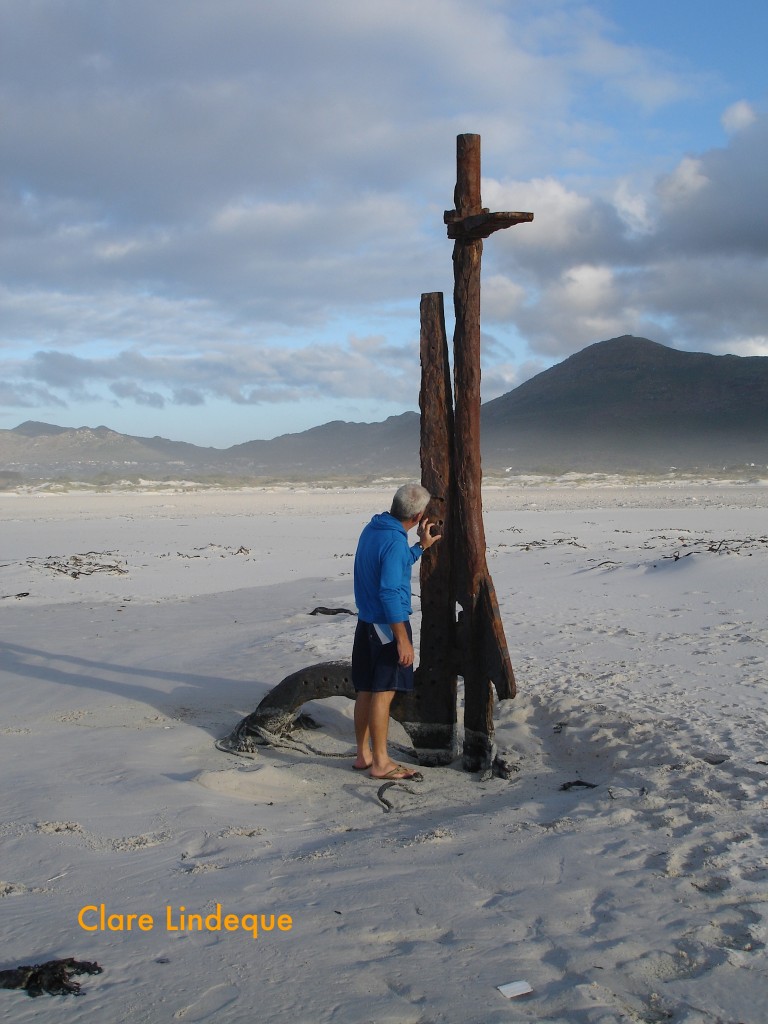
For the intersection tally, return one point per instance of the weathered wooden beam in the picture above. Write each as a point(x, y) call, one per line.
point(466, 194)
point(483, 655)
point(429, 713)
point(469, 229)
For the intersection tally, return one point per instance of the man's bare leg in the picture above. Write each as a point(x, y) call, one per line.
point(362, 729)
point(378, 723)
point(372, 730)
point(371, 733)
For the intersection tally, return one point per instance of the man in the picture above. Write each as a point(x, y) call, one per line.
point(382, 656)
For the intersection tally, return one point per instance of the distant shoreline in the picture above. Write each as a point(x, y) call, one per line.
point(538, 494)
point(574, 479)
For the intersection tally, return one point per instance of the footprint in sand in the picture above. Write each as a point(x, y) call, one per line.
point(19, 889)
point(209, 1005)
point(58, 826)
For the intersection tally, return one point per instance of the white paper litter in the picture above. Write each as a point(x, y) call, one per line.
point(515, 988)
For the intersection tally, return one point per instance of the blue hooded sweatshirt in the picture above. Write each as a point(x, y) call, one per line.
point(383, 564)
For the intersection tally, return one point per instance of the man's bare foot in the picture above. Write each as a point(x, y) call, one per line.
point(398, 772)
point(360, 766)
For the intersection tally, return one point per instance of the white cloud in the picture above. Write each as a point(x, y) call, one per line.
point(129, 389)
point(27, 396)
point(755, 346)
point(685, 181)
point(561, 215)
point(633, 208)
point(738, 116)
point(365, 368)
point(502, 298)
point(588, 288)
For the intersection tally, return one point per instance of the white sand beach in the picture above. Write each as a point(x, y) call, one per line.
point(137, 628)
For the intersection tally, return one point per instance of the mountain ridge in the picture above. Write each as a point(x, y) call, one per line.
point(641, 380)
point(624, 404)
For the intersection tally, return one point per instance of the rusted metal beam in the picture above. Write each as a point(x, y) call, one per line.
point(279, 712)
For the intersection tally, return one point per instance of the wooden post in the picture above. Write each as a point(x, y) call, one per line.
point(482, 648)
point(466, 360)
point(429, 714)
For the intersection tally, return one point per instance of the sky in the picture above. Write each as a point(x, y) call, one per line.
point(217, 218)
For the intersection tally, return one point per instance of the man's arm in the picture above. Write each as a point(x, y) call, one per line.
point(405, 653)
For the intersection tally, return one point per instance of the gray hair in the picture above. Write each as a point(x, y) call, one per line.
point(409, 501)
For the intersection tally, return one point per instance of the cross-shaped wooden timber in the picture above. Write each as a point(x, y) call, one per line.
point(454, 571)
point(477, 640)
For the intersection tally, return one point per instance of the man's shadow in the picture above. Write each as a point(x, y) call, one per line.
point(81, 673)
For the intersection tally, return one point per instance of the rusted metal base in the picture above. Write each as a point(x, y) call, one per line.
point(279, 711)
point(479, 751)
point(433, 744)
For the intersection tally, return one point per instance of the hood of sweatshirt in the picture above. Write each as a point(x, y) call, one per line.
point(385, 521)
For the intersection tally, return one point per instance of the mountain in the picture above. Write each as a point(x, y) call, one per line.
point(628, 404)
point(32, 428)
point(632, 404)
point(339, 449)
point(631, 382)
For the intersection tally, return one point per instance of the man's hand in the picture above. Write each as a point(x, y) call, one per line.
point(426, 535)
point(405, 653)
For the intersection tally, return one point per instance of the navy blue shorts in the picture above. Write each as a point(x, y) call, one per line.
point(374, 664)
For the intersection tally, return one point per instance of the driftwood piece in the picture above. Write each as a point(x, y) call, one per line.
point(52, 977)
